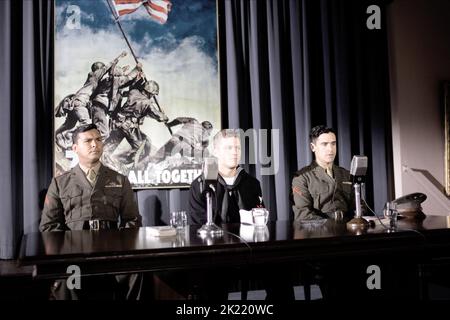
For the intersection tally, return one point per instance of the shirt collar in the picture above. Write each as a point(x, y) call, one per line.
point(96, 168)
point(238, 170)
point(324, 168)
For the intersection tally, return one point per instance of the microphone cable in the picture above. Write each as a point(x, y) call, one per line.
point(240, 238)
point(368, 207)
point(225, 231)
point(386, 227)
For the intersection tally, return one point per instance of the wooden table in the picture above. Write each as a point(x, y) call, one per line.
point(135, 250)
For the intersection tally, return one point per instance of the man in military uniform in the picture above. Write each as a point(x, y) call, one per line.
point(90, 196)
point(322, 189)
point(235, 190)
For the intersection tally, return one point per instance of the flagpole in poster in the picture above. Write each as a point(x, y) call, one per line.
point(180, 56)
point(116, 18)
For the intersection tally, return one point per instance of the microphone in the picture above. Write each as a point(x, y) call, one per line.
point(358, 169)
point(210, 170)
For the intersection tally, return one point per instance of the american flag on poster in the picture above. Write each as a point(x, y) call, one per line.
point(157, 9)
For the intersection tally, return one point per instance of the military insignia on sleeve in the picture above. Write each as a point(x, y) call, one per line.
point(297, 190)
point(47, 201)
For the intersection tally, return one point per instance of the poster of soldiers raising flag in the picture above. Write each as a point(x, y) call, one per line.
point(146, 73)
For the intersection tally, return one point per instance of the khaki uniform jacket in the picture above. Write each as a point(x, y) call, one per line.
point(315, 193)
point(71, 200)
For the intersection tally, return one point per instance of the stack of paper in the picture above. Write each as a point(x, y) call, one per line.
point(162, 231)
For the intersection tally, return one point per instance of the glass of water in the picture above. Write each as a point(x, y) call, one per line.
point(391, 213)
point(178, 219)
point(260, 216)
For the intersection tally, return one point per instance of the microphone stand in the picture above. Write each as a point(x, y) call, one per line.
point(209, 229)
point(358, 222)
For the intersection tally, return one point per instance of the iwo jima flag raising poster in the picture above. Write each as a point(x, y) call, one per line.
point(146, 73)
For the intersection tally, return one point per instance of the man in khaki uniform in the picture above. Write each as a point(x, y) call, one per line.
point(90, 196)
point(73, 202)
point(322, 189)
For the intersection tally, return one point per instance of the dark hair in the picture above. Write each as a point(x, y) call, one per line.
point(82, 129)
point(317, 131)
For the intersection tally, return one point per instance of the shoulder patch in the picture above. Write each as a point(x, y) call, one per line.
point(48, 200)
point(296, 190)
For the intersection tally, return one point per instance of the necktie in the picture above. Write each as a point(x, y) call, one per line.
point(230, 206)
point(91, 176)
point(329, 172)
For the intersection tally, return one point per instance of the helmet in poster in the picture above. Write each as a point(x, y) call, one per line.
point(152, 87)
point(97, 65)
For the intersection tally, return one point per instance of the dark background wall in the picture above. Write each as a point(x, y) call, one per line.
point(286, 65)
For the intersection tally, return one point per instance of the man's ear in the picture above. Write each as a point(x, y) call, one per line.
point(313, 147)
point(74, 147)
